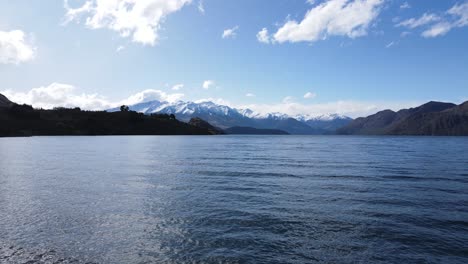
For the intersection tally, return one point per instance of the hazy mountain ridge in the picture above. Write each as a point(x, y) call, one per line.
point(225, 117)
point(433, 118)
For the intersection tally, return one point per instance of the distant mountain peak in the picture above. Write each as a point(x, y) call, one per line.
point(223, 116)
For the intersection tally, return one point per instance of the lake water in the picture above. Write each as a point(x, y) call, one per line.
point(234, 199)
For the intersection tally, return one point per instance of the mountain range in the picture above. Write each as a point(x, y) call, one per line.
point(433, 118)
point(225, 117)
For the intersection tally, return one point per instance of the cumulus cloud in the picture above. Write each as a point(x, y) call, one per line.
point(349, 18)
point(230, 32)
point(263, 36)
point(439, 25)
point(64, 95)
point(141, 20)
point(310, 95)
point(15, 48)
point(208, 84)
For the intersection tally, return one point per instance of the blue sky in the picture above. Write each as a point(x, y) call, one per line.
point(349, 56)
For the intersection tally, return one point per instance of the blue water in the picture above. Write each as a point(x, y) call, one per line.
point(234, 199)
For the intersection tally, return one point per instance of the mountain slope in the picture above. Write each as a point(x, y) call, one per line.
point(433, 118)
point(4, 102)
point(327, 122)
point(225, 117)
point(449, 122)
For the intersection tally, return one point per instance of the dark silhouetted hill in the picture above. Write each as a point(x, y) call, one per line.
point(4, 102)
point(253, 131)
point(23, 120)
point(200, 123)
point(433, 118)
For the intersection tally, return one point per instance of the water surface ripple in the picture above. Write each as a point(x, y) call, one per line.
point(234, 199)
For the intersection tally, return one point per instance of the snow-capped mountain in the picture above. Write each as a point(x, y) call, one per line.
point(225, 117)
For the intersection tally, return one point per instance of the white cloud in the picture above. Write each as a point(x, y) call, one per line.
point(15, 48)
point(119, 48)
point(208, 84)
point(177, 87)
point(437, 30)
point(417, 22)
point(263, 36)
point(332, 18)
point(349, 108)
point(57, 94)
point(405, 5)
point(250, 95)
point(230, 32)
point(310, 95)
point(140, 19)
point(64, 95)
point(151, 95)
point(391, 44)
point(461, 12)
point(201, 7)
point(457, 16)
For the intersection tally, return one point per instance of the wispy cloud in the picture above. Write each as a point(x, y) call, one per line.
point(201, 7)
point(417, 22)
point(230, 32)
point(119, 49)
point(405, 5)
point(439, 25)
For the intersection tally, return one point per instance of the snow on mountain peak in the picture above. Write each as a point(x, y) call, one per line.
point(188, 108)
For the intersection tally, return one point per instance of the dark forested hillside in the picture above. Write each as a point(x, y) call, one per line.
point(23, 120)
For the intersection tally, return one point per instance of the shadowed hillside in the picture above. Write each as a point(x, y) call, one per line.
point(4, 102)
point(433, 118)
point(23, 120)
